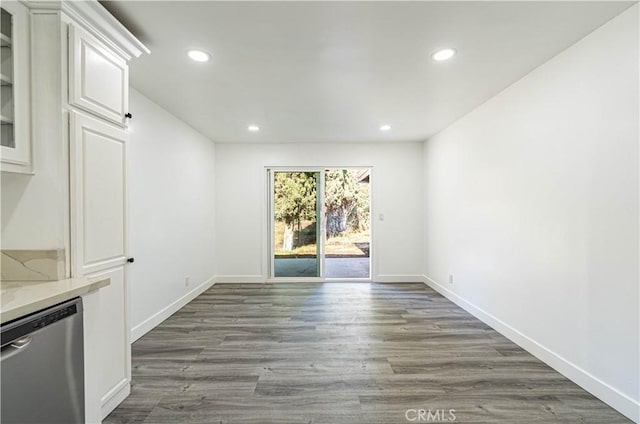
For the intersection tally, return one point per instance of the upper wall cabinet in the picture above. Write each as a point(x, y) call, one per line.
point(15, 128)
point(98, 79)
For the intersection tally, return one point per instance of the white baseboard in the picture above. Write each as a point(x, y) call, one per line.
point(114, 397)
point(153, 321)
point(239, 279)
point(608, 394)
point(398, 278)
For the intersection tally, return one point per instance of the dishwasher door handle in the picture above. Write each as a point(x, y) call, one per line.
point(15, 347)
point(22, 342)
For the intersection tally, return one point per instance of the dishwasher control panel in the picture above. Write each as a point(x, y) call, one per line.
point(39, 320)
point(54, 317)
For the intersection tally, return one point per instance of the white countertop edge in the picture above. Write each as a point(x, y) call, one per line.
point(20, 298)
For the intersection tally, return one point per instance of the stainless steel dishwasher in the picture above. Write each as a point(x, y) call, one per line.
point(42, 367)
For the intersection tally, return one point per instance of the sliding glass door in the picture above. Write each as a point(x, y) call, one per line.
point(320, 223)
point(296, 208)
point(346, 223)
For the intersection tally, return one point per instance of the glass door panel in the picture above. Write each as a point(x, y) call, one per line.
point(7, 138)
point(347, 223)
point(296, 209)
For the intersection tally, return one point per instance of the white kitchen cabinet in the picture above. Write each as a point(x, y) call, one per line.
point(80, 74)
point(98, 213)
point(114, 343)
point(98, 78)
point(98, 241)
point(15, 85)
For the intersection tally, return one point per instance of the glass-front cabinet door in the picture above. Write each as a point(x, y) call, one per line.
point(15, 75)
point(6, 79)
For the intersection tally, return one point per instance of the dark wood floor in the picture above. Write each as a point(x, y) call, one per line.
point(340, 353)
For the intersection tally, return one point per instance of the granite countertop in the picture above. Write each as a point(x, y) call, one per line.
point(19, 298)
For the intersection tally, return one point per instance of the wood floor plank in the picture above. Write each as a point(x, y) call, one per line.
point(340, 353)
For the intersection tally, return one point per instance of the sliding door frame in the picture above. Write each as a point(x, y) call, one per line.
point(321, 234)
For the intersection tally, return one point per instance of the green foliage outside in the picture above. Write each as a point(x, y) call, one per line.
point(295, 201)
point(346, 204)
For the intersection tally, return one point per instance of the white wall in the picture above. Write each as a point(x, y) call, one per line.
point(35, 208)
point(531, 202)
point(241, 215)
point(171, 178)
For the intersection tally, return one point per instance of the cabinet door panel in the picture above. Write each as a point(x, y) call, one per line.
point(98, 155)
point(103, 195)
point(98, 219)
point(98, 79)
point(15, 89)
point(113, 345)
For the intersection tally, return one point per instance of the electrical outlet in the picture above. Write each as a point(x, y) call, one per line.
point(450, 278)
point(186, 281)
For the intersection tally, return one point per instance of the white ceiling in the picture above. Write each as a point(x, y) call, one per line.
point(336, 71)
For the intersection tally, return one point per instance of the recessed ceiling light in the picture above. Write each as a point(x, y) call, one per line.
point(443, 54)
point(385, 127)
point(253, 128)
point(199, 55)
